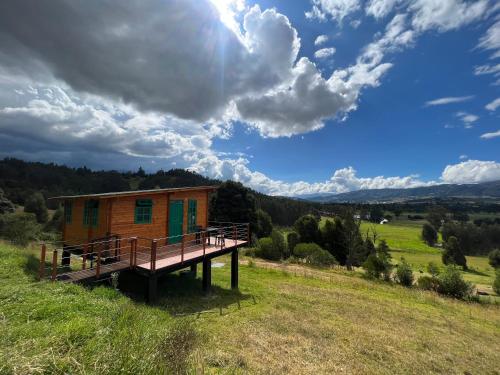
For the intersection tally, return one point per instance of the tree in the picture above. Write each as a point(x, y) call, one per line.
point(140, 172)
point(494, 258)
point(377, 267)
point(397, 212)
point(453, 254)
point(267, 250)
point(433, 269)
point(292, 239)
point(264, 225)
point(436, 216)
point(6, 206)
point(20, 228)
point(451, 283)
point(404, 273)
point(307, 228)
point(313, 254)
point(496, 283)
point(429, 234)
point(279, 243)
point(36, 204)
point(352, 241)
point(460, 216)
point(376, 214)
point(233, 203)
point(338, 247)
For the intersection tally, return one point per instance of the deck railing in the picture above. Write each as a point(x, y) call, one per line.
point(113, 253)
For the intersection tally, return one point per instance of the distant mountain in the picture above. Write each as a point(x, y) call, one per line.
point(482, 190)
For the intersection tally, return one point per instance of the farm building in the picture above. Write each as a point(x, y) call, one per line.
point(148, 232)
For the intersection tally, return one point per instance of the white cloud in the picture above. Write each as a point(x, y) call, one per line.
point(471, 171)
point(380, 8)
point(492, 106)
point(449, 100)
point(463, 157)
point(355, 23)
point(491, 39)
point(324, 53)
point(467, 118)
point(491, 135)
point(336, 9)
point(321, 39)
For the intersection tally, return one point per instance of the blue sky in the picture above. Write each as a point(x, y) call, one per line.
point(403, 93)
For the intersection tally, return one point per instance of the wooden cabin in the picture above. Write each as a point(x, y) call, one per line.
point(158, 213)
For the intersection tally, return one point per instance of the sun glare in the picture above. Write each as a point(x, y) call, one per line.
point(228, 10)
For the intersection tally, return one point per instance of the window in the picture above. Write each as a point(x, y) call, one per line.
point(143, 211)
point(91, 213)
point(68, 212)
point(192, 216)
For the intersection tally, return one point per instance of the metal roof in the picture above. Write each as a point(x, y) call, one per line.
point(136, 192)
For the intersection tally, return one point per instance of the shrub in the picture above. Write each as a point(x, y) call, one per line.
point(428, 283)
point(267, 249)
point(307, 228)
point(377, 266)
point(313, 254)
point(264, 224)
point(494, 258)
point(433, 269)
point(404, 273)
point(453, 254)
point(496, 283)
point(451, 283)
point(279, 243)
point(292, 239)
point(36, 204)
point(429, 234)
point(20, 228)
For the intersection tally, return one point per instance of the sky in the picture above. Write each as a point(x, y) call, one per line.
point(288, 97)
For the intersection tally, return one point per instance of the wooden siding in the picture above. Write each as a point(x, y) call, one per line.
point(116, 216)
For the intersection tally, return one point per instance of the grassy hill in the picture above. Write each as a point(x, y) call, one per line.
point(286, 319)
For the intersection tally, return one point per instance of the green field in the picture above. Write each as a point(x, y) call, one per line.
point(282, 321)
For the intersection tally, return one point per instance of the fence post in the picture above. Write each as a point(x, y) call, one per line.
point(153, 256)
point(84, 257)
point(235, 236)
point(41, 273)
point(221, 234)
point(203, 241)
point(54, 265)
point(133, 245)
point(98, 263)
point(182, 248)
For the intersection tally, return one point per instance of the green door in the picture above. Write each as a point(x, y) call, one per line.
point(175, 218)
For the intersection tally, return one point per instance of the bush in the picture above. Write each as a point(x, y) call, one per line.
point(453, 254)
point(292, 239)
point(307, 228)
point(313, 254)
point(279, 243)
point(267, 250)
point(496, 283)
point(377, 266)
point(429, 234)
point(494, 258)
point(264, 224)
point(36, 204)
point(404, 273)
point(20, 228)
point(433, 269)
point(451, 283)
point(428, 283)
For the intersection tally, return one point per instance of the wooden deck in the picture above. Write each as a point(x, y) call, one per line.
point(167, 257)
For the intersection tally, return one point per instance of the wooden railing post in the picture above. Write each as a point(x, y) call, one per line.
point(84, 256)
point(54, 265)
point(133, 250)
point(221, 234)
point(98, 263)
point(203, 241)
point(182, 248)
point(234, 235)
point(41, 272)
point(153, 255)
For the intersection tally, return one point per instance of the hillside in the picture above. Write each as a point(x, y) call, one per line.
point(483, 190)
point(285, 321)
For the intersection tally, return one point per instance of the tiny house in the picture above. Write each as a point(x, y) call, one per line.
point(158, 213)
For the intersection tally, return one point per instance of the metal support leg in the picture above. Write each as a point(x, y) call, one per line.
point(234, 269)
point(152, 288)
point(207, 275)
point(66, 257)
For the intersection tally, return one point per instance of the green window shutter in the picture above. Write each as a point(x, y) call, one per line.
point(192, 215)
point(91, 213)
point(143, 211)
point(68, 211)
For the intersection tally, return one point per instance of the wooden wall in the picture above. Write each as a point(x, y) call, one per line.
point(116, 216)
